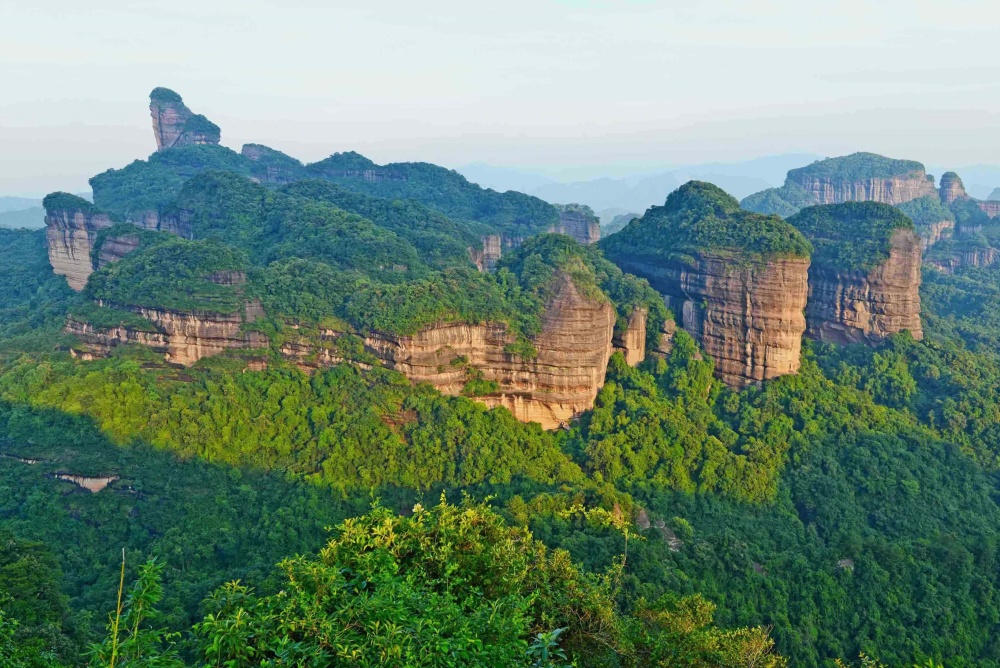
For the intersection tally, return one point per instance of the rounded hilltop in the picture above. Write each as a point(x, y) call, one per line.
point(700, 216)
point(851, 235)
point(165, 96)
point(857, 166)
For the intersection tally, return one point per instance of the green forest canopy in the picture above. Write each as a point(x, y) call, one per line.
point(852, 235)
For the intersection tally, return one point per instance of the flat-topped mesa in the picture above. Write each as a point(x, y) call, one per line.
point(738, 281)
point(863, 177)
point(952, 188)
point(859, 177)
point(578, 221)
point(175, 125)
point(864, 281)
point(71, 227)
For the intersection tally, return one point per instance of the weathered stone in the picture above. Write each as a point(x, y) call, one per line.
point(952, 188)
point(70, 235)
point(895, 190)
point(854, 306)
point(632, 342)
point(579, 222)
point(936, 232)
point(747, 315)
point(175, 125)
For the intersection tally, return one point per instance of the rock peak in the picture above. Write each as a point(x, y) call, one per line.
point(175, 125)
point(952, 188)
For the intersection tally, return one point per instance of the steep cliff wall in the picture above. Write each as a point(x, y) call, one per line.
point(936, 232)
point(855, 306)
point(991, 207)
point(948, 260)
point(748, 316)
point(573, 347)
point(894, 190)
point(71, 227)
point(579, 222)
point(175, 125)
point(952, 188)
point(632, 341)
point(183, 338)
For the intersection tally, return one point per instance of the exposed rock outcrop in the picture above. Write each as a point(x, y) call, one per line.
point(748, 316)
point(859, 306)
point(991, 207)
point(864, 282)
point(894, 190)
point(560, 382)
point(936, 232)
point(92, 484)
point(948, 262)
point(952, 188)
point(71, 227)
point(632, 341)
point(486, 258)
point(578, 221)
point(175, 125)
point(183, 338)
point(114, 248)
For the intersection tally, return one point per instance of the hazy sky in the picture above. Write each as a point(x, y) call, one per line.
point(526, 83)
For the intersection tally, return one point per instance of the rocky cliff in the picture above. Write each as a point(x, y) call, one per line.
point(952, 188)
point(853, 306)
point(936, 232)
point(72, 224)
point(560, 382)
point(863, 177)
point(991, 207)
point(948, 260)
point(632, 341)
point(182, 338)
point(748, 316)
point(175, 125)
point(579, 222)
point(864, 282)
point(573, 348)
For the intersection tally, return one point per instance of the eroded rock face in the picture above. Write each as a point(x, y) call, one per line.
point(991, 207)
point(486, 258)
point(182, 338)
point(867, 306)
point(560, 382)
point(70, 235)
point(747, 315)
point(551, 388)
point(175, 125)
point(632, 342)
point(952, 188)
point(935, 232)
point(977, 257)
point(895, 190)
point(579, 222)
point(116, 247)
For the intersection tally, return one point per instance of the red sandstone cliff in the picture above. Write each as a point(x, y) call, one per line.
point(747, 315)
point(867, 306)
point(70, 235)
point(895, 190)
point(579, 222)
point(175, 125)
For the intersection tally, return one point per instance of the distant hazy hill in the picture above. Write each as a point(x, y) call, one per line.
point(33, 218)
point(612, 196)
point(18, 203)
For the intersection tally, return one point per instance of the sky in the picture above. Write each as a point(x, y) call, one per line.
point(541, 85)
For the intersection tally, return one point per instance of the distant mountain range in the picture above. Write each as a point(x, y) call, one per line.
point(610, 197)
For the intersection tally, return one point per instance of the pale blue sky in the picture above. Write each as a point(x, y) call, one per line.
point(520, 83)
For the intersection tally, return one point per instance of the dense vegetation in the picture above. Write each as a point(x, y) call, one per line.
point(785, 201)
point(856, 167)
point(702, 217)
point(852, 235)
point(925, 211)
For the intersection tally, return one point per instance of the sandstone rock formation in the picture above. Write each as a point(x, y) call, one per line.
point(183, 338)
point(175, 125)
point(72, 224)
point(864, 281)
point(952, 188)
point(560, 382)
point(556, 385)
point(947, 262)
point(936, 232)
point(748, 316)
point(579, 222)
point(893, 190)
point(991, 207)
point(271, 166)
point(632, 341)
point(114, 248)
point(486, 258)
point(857, 306)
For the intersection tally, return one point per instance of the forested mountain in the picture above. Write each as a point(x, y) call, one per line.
point(260, 350)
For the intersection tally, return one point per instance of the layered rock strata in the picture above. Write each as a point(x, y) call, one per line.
point(936, 232)
point(557, 384)
point(990, 207)
point(747, 315)
point(975, 257)
point(894, 190)
point(70, 233)
point(579, 222)
point(181, 337)
point(632, 341)
point(175, 125)
point(855, 306)
point(952, 188)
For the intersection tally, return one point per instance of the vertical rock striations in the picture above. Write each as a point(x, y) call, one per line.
point(952, 188)
point(737, 281)
point(72, 224)
point(175, 125)
point(864, 282)
point(863, 177)
point(578, 221)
